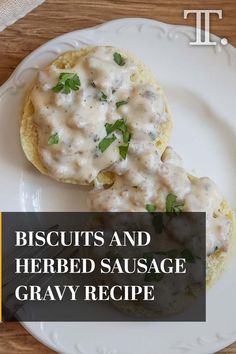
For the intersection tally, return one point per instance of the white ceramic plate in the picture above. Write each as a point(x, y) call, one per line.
point(200, 84)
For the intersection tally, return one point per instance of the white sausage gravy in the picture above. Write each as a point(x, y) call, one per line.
point(78, 119)
point(95, 117)
point(148, 180)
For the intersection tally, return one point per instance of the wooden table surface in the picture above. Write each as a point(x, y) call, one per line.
point(56, 17)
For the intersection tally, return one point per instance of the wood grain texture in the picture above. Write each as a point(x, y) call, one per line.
point(56, 17)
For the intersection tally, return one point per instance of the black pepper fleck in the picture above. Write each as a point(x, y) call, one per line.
point(96, 138)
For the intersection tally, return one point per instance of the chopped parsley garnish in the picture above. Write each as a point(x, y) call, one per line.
point(106, 142)
point(67, 82)
point(118, 59)
point(118, 125)
point(123, 149)
point(121, 126)
point(120, 103)
point(126, 136)
point(103, 97)
point(151, 208)
point(53, 139)
point(172, 206)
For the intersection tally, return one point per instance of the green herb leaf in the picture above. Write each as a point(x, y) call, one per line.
point(170, 201)
point(126, 136)
point(65, 76)
point(67, 82)
point(109, 128)
point(172, 206)
point(58, 87)
point(118, 59)
point(120, 103)
point(123, 149)
point(53, 139)
point(121, 126)
point(103, 97)
point(118, 125)
point(106, 142)
point(151, 208)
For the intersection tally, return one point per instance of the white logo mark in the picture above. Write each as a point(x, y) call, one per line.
point(203, 37)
